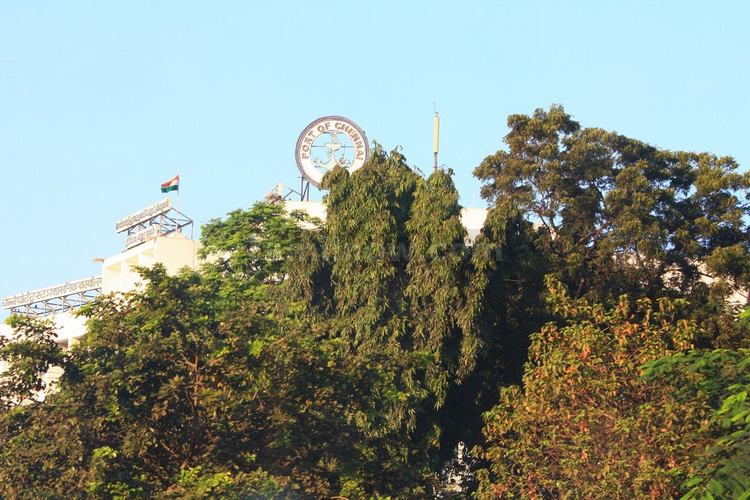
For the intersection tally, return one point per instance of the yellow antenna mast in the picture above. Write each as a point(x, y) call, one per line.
point(436, 136)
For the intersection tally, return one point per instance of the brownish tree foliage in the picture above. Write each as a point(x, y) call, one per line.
point(585, 423)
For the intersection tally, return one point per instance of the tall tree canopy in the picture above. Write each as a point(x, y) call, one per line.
point(618, 215)
point(614, 215)
point(585, 423)
point(355, 357)
point(393, 278)
point(235, 380)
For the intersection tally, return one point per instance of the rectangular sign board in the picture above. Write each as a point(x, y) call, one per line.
point(52, 292)
point(144, 235)
point(159, 208)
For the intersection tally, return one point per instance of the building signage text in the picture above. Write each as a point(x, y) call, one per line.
point(136, 239)
point(147, 213)
point(53, 292)
point(328, 142)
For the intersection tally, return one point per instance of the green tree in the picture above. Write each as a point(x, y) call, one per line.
point(617, 215)
point(585, 424)
point(210, 384)
point(396, 278)
point(366, 249)
point(173, 395)
point(145, 397)
point(367, 246)
point(31, 351)
point(39, 442)
point(438, 271)
point(507, 288)
point(350, 357)
point(719, 378)
point(249, 249)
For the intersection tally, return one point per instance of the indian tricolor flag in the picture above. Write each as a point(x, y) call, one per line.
point(171, 185)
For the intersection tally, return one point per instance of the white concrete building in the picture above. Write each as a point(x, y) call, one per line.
point(173, 250)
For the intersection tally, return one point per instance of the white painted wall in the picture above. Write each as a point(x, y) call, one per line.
point(174, 251)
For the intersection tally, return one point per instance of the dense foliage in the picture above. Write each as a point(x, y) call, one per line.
point(585, 421)
point(586, 344)
point(722, 378)
point(617, 215)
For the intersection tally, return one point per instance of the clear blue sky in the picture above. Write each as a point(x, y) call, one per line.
point(100, 102)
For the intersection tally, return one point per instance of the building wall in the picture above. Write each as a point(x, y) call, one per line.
point(174, 251)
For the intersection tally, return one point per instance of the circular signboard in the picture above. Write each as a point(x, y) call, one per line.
point(327, 142)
